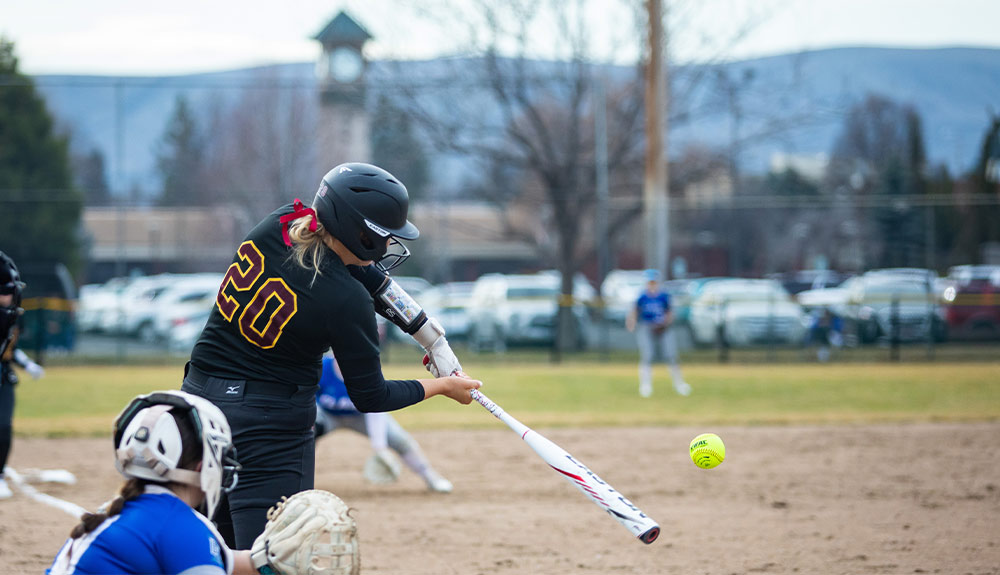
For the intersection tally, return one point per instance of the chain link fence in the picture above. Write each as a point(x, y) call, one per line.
point(150, 278)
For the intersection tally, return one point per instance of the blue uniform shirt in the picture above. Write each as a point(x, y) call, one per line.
point(155, 533)
point(332, 395)
point(653, 308)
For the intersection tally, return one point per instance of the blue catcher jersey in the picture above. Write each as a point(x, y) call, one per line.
point(653, 308)
point(155, 533)
point(332, 395)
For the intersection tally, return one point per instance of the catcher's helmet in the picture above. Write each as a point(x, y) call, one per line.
point(365, 208)
point(149, 445)
point(10, 284)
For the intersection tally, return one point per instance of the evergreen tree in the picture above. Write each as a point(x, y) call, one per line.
point(180, 160)
point(980, 223)
point(91, 178)
point(395, 148)
point(880, 152)
point(39, 208)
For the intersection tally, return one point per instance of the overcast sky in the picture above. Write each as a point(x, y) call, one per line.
point(126, 37)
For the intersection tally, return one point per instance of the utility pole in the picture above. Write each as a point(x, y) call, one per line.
point(655, 194)
point(601, 177)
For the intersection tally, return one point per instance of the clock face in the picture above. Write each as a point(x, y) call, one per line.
point(345, 64)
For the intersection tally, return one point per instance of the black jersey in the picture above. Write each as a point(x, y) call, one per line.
point(273, 320)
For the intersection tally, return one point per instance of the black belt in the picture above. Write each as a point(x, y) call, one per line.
point(250, 386)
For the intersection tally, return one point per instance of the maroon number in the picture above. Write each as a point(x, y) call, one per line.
point(267, 337)
point(240, 279)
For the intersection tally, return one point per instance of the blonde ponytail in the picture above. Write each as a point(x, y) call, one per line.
point(308, 249)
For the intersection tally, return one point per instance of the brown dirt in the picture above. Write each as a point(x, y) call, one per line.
point(920, 498)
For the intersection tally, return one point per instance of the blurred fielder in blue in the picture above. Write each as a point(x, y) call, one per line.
point(335, 410)
point(651, 319)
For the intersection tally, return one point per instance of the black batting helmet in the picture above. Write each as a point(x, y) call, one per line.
point(365, 208)
point(10, 284)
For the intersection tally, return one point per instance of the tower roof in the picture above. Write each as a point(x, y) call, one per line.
point(342, 30)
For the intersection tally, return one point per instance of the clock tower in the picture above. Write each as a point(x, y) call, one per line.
point(343, 121)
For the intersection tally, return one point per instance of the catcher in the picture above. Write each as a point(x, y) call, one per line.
point(175, 451)
point(651, 319)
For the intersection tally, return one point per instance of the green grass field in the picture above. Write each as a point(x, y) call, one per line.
point(83, 400)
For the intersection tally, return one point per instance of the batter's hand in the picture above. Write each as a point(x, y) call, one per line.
point(456, 387)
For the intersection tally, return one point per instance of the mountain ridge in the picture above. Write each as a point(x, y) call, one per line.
point(954, 89)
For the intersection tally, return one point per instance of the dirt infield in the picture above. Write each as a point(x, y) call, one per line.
point(920, 498)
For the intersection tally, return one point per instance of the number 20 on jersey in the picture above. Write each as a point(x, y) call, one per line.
point(260, 323)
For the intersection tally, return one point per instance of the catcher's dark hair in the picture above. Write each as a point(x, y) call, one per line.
point(191, 455)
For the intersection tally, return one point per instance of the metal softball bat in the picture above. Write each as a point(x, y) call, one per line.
point(572, 470)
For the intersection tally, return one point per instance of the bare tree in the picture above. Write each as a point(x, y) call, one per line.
point(880, 152)
point(261, 150)
point(535, 140)
point(521, 104)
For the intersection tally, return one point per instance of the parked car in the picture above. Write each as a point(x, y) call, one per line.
point(149, 313)
point(619, 291)
point(449, 304)
point(129, 303)
point(883, 304)
point(973, 302)
point(746, 312)
point(798, 281)
point(185, 330)
point(187, 296)
point(97, 301)
point(521, 310)
point(834, 299)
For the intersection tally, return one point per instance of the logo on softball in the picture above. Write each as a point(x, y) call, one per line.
point(707, 450)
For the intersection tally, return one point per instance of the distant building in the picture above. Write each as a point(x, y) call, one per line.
point(812, 167)
point(458, 241)
point(715, 188)
point(157, 240)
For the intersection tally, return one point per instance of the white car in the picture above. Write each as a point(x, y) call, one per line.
point(831, 298)
point(186, 330)
point(521, 310)
point(449, 304)
point(749, 311)
point(190, 295)
point(129, 304)
point(620, 290)
point(97, 301)
point(884, 305)
point(151, 312)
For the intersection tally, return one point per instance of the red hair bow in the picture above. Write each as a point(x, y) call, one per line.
point(298, 211)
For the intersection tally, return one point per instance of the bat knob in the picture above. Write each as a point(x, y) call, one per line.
point(650, 535)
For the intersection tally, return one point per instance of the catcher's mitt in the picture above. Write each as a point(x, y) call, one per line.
point(309, 533)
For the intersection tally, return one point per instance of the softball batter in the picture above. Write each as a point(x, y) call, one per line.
point(288, 297)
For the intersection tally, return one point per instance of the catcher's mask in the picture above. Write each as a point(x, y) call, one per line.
point(148, 443)
point(365, 208)
point(10, 284)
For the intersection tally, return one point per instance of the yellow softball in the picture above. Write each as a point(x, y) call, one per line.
point(707, 450)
